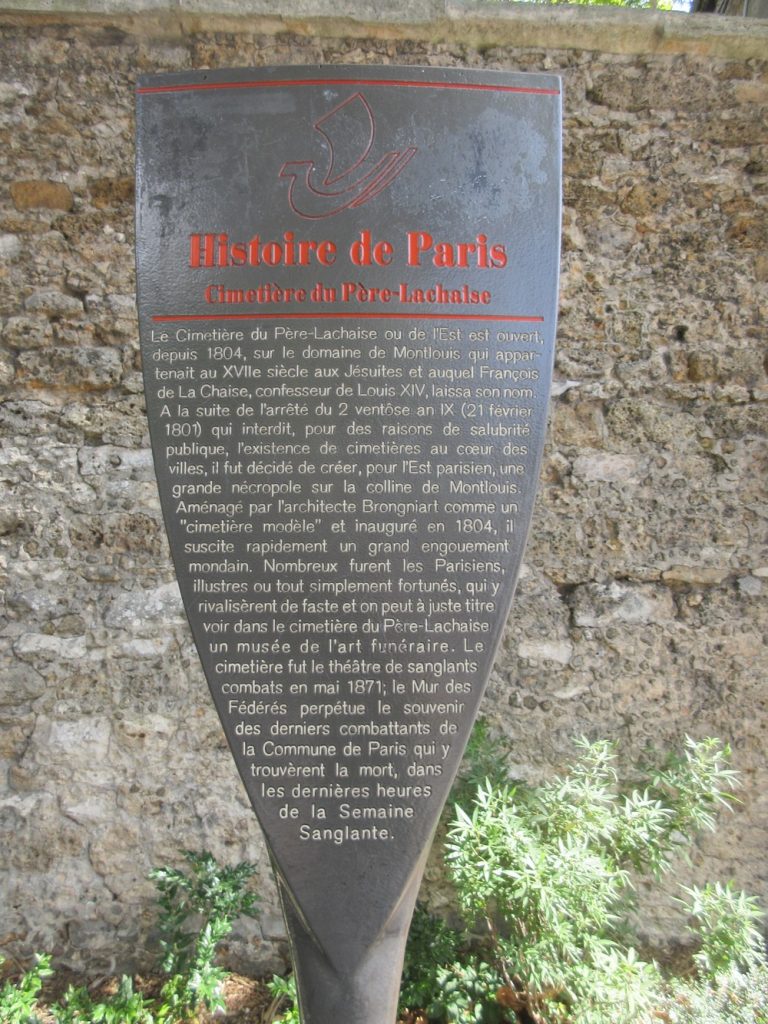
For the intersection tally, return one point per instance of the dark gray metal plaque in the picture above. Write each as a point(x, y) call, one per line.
point(347, 292)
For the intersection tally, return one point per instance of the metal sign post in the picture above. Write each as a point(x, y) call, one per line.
point(347, 293)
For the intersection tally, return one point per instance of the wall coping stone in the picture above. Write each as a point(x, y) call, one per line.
point(478, 23)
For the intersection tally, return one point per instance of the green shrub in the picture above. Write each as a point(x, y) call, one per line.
point(197, 909)
point(546, 875)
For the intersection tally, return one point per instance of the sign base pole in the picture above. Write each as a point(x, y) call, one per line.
point(365, 990)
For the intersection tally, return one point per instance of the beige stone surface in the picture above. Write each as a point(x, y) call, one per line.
point(641, 614)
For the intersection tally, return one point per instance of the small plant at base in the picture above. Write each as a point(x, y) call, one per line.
point(197, 911)
point(467, 992)
point(212, 897)
point(285, 1003)
point(432, 947)
point(18, 1000)
point(125, 1007)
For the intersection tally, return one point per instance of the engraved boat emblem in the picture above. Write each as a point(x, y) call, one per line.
point(353, 174)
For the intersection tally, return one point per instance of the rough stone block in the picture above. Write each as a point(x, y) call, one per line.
point(37, 194)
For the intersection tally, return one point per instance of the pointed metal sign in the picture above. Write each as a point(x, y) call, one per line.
point(347, 287)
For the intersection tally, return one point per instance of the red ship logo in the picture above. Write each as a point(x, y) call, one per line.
point(354, 175)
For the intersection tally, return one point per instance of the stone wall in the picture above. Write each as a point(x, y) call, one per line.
point(641, 613)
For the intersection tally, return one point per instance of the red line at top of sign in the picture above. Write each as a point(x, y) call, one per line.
point(180, 317)
point(400, 82)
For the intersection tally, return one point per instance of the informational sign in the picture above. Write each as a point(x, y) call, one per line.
point(347, 293)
